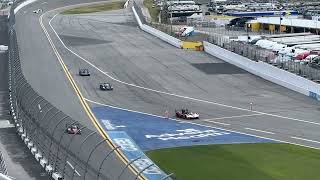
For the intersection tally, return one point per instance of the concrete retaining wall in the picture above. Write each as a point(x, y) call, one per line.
point(23, 4)
point(266, 71)
point(163, 36)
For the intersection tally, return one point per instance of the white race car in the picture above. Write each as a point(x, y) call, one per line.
point(186, 114)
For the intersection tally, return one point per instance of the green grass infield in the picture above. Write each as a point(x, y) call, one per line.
point(265, 161)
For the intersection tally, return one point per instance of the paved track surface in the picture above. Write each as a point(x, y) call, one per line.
point(39, 63)
point(113, 43)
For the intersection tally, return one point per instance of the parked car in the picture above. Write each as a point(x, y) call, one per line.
point(310, 57)
point(315, 62)
point(302, 55)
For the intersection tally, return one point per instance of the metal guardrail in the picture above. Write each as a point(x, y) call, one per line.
point(43, 128)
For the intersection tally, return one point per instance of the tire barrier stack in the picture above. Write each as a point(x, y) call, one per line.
point(43, 127)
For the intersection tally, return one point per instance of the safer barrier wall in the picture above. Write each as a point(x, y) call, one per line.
point(163, 36)
point(43, 129)
point(266, 71)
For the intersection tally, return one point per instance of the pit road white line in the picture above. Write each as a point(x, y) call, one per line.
point(167, 93)
point(308, 140)
point(258, 130)
point(73, 168)
point(231, 117)
point(225, 124)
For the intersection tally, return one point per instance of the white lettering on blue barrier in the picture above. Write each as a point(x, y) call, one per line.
point(143, 163)
point(109, 126)
point(125, 144)
point(187, 134)
point(132, 151)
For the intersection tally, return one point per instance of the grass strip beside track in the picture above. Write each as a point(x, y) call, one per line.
point(154, 11)
point(96, 8)
point(265, 161)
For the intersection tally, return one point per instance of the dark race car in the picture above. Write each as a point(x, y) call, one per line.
point(186, 114)
point(37, 11)
point(84, 72)
point(73, 129)
point(106, 87)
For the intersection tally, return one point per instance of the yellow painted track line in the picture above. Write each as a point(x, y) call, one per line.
point(85, 105)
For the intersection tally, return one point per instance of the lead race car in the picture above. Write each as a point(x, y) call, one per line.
point(186, 114)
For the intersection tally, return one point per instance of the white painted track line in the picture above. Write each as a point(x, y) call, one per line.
point(73, 168)
point(258, 130)
point(231, 117)
point(225, 124)
point(303, 139)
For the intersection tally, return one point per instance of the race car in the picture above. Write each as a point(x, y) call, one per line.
point(37, 11)
point(84, 72)
point(186, 114)
point(106, 87)
point(73, 129)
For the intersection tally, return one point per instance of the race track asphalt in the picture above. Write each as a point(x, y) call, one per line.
point(39, 63)
point(220, 92)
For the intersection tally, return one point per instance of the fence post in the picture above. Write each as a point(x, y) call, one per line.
point(45, 114)
point(55, 114)
point(167, 176)
point(143, 170)
point(68, 146)
point(61, 137)
point(117, 147)
point(52, 134)
point(31, 105)
point(127, 165)
point(95, 147)
point(84, 140)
